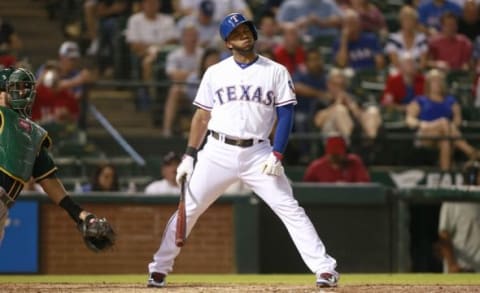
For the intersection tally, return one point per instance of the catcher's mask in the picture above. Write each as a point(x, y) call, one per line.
point(21, 91)
point(471, 172)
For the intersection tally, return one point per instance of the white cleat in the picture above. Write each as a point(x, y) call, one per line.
point(327, 279)
point(156, 280)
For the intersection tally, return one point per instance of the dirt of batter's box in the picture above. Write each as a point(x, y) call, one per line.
point(217, 288)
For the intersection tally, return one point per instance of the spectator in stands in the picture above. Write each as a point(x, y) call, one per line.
point(147, 34)
point(209, 57)
point(408, 39)
point(102, 21)
point(271, 6)
point(222, 8)
point(291, 52)
point(268, 37)
point(52, 103)
point(469, 23)
point(450, 50)
point(10, 44)
point(438, 114)
point(203, 20)
point(371, 18)
point(459, 229)
point(105, 179)
point(180, 63)
point(73, 76)
point(343, 111)
point(168, 184)
point(316, 18)
point(476, 64)
point(404, 85)
point(337, 165)
point(431, 11)
point(310, 89)
point(462, 3)
point(355, 48)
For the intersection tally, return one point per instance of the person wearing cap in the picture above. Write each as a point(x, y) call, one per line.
point(72, 76)
point(203, 20)
point(337, 165)
point(166, 185)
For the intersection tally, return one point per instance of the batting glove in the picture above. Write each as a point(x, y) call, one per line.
point(185, 168)
point(273, 165)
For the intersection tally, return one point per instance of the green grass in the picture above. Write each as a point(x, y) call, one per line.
point(346, 279)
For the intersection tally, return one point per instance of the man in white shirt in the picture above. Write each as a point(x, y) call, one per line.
point(167, 185)
point(147, 33)
point(180, 64)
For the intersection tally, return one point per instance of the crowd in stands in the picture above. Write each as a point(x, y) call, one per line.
point(412, 52)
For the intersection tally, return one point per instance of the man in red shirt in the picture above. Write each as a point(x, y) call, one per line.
point(450, 50)
point(336, 165)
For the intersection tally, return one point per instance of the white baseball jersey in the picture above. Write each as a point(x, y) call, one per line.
point(242, 99)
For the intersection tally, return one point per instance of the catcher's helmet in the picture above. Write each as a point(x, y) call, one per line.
point(21, 91)
point(232, 21)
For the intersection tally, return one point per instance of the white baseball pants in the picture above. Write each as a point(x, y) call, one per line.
point(218, 166)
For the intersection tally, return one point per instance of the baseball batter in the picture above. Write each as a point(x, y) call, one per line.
point(238, 101)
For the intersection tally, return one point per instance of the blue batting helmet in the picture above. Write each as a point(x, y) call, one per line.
point(232, 21)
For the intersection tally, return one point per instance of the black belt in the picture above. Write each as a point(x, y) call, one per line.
point(244, 143)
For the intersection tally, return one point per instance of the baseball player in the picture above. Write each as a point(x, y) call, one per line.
point(238, 101)
point(23, 148)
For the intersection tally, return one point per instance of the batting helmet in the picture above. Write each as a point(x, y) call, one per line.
point(232, 21)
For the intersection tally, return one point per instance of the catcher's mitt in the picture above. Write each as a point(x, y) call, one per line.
point(97, 233)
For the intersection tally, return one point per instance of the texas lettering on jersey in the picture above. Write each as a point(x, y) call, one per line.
point(247, 93)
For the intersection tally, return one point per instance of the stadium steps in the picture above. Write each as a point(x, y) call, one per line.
point(41, 37)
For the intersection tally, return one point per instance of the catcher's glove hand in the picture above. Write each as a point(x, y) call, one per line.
point(97, 233)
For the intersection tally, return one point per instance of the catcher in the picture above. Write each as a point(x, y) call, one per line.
point(24, 154)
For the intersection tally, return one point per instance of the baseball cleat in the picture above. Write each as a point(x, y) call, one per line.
point(156, 280)
point(325, 280)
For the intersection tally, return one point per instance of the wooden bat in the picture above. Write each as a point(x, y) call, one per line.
point(181, 233)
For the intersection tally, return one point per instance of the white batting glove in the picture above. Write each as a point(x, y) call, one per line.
point(185, 168)
point(273, 165)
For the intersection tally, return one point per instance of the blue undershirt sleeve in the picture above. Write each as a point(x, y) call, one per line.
point(284, 127)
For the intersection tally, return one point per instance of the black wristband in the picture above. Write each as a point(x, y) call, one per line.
point(71, 207)
point(191, 151)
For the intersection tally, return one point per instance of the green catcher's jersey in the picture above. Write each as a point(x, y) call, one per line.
point(20, 142)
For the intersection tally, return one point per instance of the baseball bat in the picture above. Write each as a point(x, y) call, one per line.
point(181, 233)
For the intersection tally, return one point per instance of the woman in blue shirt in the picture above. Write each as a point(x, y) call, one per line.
point(438, 114)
